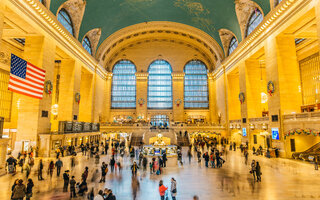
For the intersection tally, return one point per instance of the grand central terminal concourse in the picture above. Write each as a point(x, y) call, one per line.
point(159, 99)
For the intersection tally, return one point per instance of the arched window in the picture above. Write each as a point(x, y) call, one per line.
point(123, 85)
point(160, 85)
point(277, 2)
point(196, 85)
point(87, 45)
point(254, 21)
point(65, 20)
point(233, 45)
point(43, 2)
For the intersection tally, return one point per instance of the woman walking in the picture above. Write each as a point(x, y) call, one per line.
point(173, 188)
point(253, 169)
point(162, 190)
point(258, 172)
point(29, 189)
point(19, 191)
point(51, 168)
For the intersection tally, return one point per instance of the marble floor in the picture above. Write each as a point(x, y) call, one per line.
point(282, 179)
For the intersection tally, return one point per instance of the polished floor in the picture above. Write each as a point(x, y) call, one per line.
point(281, 179)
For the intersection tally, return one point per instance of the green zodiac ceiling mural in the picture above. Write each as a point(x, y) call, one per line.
point(207, 15)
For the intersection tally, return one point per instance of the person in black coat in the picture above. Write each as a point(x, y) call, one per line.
point(66, 179)
point(112, 163)
point(164, 158)
point(72, 187)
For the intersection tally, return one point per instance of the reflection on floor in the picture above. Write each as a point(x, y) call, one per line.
point(281, 179)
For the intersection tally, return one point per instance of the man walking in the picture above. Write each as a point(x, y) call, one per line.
point(66, 179)
point(59, 165)
point(72, 187)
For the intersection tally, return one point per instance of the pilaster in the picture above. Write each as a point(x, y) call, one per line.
point(39, 51)
point(86, 91)
point(212, 99)
point(142, 94)
point(108, 98)
point(177, 96)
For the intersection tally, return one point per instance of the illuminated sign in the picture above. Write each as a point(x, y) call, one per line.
point(244, 132)
point(275, 133)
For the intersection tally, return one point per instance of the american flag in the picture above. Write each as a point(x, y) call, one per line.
point(26, 78)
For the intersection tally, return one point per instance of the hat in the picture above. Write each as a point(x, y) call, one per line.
point(67, 171)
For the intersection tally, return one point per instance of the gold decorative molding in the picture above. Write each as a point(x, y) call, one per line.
point(41, 16)
point(267, 27)
point(142, 75)
point(178, 75)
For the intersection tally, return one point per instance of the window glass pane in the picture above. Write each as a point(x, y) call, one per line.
point(254, 21)
point(65, 20)
point(124, 85)
point(196, 85)
point(233, 45)
point(160, 85)
point(87, 45)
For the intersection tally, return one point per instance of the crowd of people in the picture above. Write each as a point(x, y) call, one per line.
point(208, 150)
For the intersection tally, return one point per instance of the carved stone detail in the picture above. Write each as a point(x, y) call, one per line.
point(226, 36)
point(76, 10)
point(244, 9)
point(5, 58)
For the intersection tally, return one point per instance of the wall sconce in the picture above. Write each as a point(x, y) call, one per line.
point(252, 126)
point(264, 126)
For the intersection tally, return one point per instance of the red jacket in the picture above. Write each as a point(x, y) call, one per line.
point(162, 190)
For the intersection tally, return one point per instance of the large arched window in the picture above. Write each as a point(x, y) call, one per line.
point(87, 44)
point(43, 2)
point(277, 2)
point(233, 45)
point(196, 85)
point(160, 85)
point(123, 85)
point(65, 20)
point(254, 21)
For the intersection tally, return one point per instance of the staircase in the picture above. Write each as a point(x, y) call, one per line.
point(136, 140)
point(182, 141)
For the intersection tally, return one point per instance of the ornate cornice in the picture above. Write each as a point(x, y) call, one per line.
point(177, 75)
point(41, 16)
point(276, 18)
point(142, 75)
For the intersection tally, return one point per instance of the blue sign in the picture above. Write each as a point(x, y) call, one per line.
point(244, 132)
point(275, 133)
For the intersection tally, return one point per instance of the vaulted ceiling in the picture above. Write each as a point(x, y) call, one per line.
point(207, 15)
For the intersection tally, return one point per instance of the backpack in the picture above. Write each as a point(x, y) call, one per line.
point(106, 170)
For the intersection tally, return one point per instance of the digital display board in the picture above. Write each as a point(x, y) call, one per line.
point(275, 133)
point(244, 132)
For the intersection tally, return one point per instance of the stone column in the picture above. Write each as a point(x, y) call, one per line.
point(70, 77)
point(244, 105)
point(108, 97)
point(142, 94)
point(214, 116)
point(253, 88)
point(2, 10)
point(86, 91)
point(282, 69)
point(177, 96)
point(39, 51)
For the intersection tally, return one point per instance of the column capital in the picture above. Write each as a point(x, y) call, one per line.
point(177, 75)
point(109, 75)
point(211, 76)
point(142, 75)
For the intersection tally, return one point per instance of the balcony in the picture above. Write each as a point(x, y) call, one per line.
point(306, 120)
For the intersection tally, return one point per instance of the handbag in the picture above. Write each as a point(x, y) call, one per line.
point(174, 191)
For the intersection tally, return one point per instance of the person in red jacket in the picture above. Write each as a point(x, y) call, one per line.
point(162, 190)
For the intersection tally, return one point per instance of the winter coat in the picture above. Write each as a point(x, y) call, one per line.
point(173, 188)
point(162, 190)
point(19, 192)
